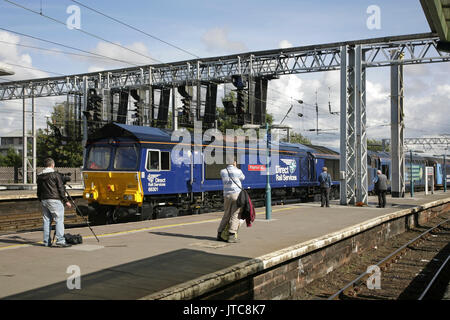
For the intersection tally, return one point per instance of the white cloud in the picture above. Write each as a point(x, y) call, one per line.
point(10, 58)
point(217, 40)
point(128, 58)
point(11, 117)
point(284, 44)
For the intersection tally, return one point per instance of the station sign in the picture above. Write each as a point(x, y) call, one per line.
point(256, 167)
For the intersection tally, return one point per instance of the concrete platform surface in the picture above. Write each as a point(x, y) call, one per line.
point(138, 259)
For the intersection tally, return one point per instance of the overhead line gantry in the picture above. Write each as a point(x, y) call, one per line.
point(352, 58)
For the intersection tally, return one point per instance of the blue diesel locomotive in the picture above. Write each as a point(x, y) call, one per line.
point(133, 171)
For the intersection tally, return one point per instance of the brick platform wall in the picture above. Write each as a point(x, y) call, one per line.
point(283, 281)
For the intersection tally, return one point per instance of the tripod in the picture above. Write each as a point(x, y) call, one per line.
point(77, 210)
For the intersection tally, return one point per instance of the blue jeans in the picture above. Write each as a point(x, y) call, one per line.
point(53, 210)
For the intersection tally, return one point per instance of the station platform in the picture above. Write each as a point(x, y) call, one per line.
point(9, 194)
point(162, 259)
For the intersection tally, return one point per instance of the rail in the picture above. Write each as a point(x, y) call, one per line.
point(385, 261)
point(436, 275)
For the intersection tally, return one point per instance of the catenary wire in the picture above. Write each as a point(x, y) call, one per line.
point(82, 31)
point(134, 28)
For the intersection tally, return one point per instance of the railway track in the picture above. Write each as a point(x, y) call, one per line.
point(26, 215)
point(412, 266)
point(356, 286)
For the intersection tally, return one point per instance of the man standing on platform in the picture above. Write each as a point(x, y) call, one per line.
point(325, 185)
point(381, 188)
point(52, 195)
point(232, 186)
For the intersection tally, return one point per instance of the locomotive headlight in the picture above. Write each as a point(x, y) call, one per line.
point(129, 197)
point(86, 195)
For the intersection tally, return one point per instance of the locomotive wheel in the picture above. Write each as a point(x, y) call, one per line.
point(111, 216)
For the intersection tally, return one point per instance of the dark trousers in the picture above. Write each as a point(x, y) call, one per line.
point(325, 197)
point(382, 198)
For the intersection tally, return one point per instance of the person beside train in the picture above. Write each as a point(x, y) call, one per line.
point(232, 186)
point(51, 194)
point(325, 186)
point(380, 182)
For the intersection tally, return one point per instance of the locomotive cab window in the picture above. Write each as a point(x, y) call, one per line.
point(98, 158)
point(165, 160)
point(158, 160)
point(126, 158)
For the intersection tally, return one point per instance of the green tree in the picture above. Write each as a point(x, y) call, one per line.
point(298, 138)
point(62, 142)
point(11, 159)
point(376, 145)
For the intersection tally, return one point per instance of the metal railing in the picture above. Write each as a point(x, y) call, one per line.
point(13, 175)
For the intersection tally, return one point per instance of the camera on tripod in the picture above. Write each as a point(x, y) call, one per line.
point(65, 177)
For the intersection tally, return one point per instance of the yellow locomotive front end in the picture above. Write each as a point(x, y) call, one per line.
point(113, 188)
point(112, 181)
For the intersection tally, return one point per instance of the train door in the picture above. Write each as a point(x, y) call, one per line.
point(304, 169)
point(439, 174)
point(197, 171)
point(312, 168)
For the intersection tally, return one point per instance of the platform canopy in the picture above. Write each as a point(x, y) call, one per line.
point(437, 13)
point(4, 72)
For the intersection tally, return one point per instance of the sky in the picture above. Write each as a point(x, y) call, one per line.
point(208, 28)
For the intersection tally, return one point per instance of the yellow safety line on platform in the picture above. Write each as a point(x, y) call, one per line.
point(171, 225)
point(141, 229)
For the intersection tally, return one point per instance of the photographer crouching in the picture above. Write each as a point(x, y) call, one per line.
point(51, 194)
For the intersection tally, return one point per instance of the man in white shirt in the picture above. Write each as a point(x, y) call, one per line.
point(232, 186)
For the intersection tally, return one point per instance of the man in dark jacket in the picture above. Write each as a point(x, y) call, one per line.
point(325, 185)
point(381, 188)
point(52, 195)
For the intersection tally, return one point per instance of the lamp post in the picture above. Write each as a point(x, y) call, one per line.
point(268, 188)
point(268, 160)
point(411, 173)
point(444, 172)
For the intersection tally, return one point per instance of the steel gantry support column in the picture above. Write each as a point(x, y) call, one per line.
point(34, 141)
point(343, 128)
point(353, 159)
point(397, 128)
point(361, 136)
point(24, 143)
point(348, 154)
point(84, 108)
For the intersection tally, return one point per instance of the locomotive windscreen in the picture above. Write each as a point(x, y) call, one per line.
point(98, 158)
point(125, 158)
